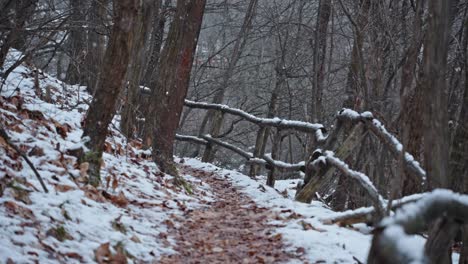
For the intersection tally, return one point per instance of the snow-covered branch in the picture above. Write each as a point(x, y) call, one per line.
point(379, 130)
point(273, 122)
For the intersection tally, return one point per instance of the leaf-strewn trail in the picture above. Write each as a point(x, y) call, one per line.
point(231, 229)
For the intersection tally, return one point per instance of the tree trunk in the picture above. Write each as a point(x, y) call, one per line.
point(76, 73)
point(95, 44)
point(411, 102)
point(173, 80)
point(159, 22)
point(319, 51)
point(436, 137)
point(132, 108)
point(111, 82)
point(264, 132)
point(356, 84)
point(151, 74)
point(440, 240)
point(23, 10)
point(216, 118)
point(275, 151)
point(459, 152)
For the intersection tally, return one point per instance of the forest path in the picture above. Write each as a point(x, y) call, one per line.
point(231, 229)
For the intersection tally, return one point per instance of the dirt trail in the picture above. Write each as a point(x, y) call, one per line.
point(233, 229)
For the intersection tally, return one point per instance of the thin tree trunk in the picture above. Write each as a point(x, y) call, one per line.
point(111, 82)
point(134, 73)
point(264, 132)
point(76, 73)
point(159, 22)
point(319, 52)
point(151, 74)
point(96, 44)
point(356, 84)
point(436, 137)
point(173, 81)
point(216, 118)
point(411, 105)
point(275, 154)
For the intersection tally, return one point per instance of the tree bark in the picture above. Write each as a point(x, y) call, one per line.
point(151, 73)
point(95, 44)
point(319, 52)
point(76, 73)
point(459, 152)
point(356, 84)
point(274, 155)
point(436, 136)
point(173, 81)
point(111, 82)
point(132, 109)
point(411, 102)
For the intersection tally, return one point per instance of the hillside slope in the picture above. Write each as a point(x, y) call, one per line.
point(132, 216)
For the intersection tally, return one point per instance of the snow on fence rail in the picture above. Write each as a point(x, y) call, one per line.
point(378, 129)
point(365, 214)
point(345, 115)
point(318, 129)
point(265, 160)
point(392, 238)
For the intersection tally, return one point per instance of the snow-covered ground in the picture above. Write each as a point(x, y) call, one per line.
point(300, 224)
point(74, 223)
point(67, 225)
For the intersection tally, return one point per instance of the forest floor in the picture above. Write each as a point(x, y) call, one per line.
point(138, 215)
point(239, 230)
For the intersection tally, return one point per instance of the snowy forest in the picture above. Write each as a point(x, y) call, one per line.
point(234, 131)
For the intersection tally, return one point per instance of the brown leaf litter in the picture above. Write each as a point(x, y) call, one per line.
point(232, 229)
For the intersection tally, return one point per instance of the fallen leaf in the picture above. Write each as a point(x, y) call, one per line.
point(74, 255)
point(115, 183)
point(93, 194)
point(119, 200)
point(135, 239)
point(308, 226)
point(63, 188)
point(84, 169)
point(102, 254)
point(36, 151)
point(17, 209)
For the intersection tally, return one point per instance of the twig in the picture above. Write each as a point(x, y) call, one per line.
point(5, 136)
